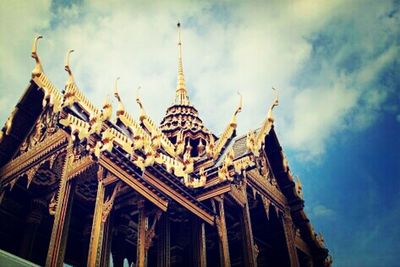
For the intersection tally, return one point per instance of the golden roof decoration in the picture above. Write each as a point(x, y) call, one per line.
point(120, 108)
point(38, 67)
point(229, 131)
point(52, 95)
point(68, 68)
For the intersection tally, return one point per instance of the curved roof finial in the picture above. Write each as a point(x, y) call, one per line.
point(120, 108)
point(233, 122)
point(239, 109)
point(68, 68)
point(139, 102)
point(116, 89)
point(38, 67)
point(181, 97)
point(274, 104)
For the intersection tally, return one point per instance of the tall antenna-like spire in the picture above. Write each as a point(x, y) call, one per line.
point(182, 97)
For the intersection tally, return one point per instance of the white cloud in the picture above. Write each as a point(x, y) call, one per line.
point(227, 48)
point(322, 211)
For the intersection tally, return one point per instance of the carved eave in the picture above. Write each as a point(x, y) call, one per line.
point(77, 127)
point(39, 154)
point(286, 183)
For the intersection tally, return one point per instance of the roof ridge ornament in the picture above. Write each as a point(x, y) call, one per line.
point(181, 97)
point(229, 132)
point(120, 108)
point(238, 110)
point(139, 102)
point(107, 108)
point(274, 104)
point(254, 142)
point(68, 68)
point(38, 67)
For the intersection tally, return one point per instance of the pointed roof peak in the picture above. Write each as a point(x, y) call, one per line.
point(181, 97)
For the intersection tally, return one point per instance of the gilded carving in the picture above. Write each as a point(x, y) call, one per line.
point(108, 204)
point(30, 174)
point(229, 131)
point(38, 66)
point(298, 187)
point(53, 205)
point(290, 238)
point(266, 203)
point(195, 183)
point(44, 127)
point(151, 232)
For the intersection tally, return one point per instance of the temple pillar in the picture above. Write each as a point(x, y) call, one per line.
point(106, 249)
point(247, 235)
point(290, 241)
point(96, 237)
point(199, 243)
point(164, 242)
point(38, 206)
point(141, 254)
point(59, 233)
point(222, 233)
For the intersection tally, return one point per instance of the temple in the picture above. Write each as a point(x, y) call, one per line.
point(83, 186)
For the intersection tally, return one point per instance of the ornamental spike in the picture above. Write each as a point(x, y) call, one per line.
point(181, 97)
point(274, 104)
point(68, 68)
point(38, 67)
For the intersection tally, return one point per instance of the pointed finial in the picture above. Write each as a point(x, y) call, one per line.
point(139, 102)
point(274, 104)
point(239, 109)
point(120, 108)
point(67, 67)
point(107, 108)
point(38, 67)
point(181, 97)
point(116, 89)
point(233, 122)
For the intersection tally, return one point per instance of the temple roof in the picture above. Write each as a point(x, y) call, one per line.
point(145, 156)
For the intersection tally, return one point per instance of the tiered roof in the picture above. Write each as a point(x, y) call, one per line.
point(179, 160)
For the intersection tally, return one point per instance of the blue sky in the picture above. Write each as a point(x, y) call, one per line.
point(335, 63)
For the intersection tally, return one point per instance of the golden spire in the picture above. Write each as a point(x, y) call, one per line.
point(181, 91)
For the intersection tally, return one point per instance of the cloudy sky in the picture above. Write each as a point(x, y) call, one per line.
point(336, 65)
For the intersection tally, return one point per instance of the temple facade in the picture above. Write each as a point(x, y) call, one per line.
point(84, 186)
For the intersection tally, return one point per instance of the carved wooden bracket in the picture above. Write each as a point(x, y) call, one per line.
point(266, 204)
point(53, 205)
point(31, 173)
point(151, 232)
point(108, 204)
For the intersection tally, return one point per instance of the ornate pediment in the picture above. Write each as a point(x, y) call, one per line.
point(45, 126)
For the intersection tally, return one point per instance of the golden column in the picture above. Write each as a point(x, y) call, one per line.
point(59, 234)
point(289, 236)
point(96, 238)
point(141, 256)
point(222, 233)
point(247, 232)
